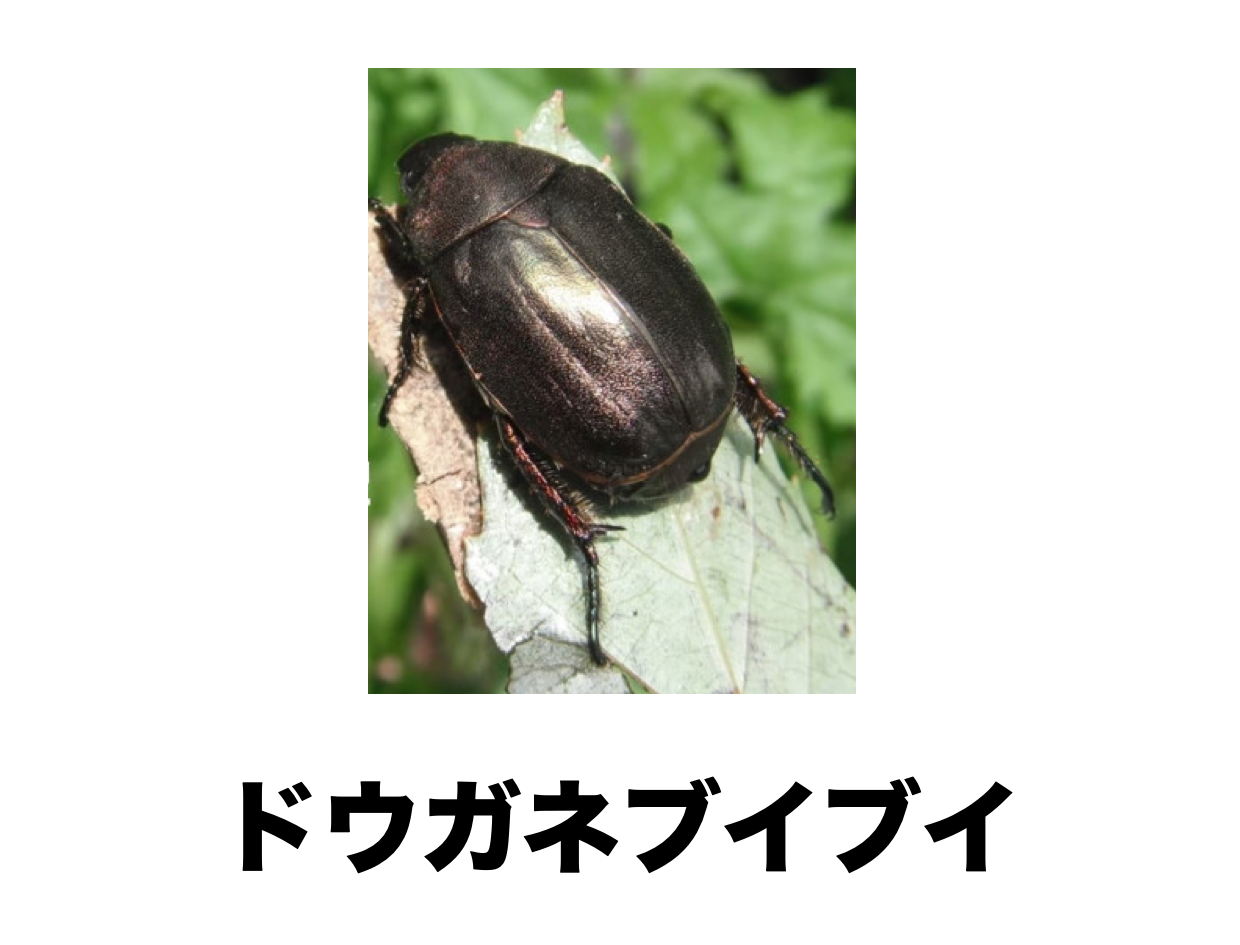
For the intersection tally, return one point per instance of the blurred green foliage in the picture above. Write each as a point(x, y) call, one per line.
point(755, 174)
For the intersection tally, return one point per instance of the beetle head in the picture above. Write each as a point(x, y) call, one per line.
point(417, 160)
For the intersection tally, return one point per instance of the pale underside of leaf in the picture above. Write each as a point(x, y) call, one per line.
point(723, 588)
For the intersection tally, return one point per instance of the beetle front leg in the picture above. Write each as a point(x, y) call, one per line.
point(765, 416)
point(410, 343)
point(571, 517)
point(394, 237)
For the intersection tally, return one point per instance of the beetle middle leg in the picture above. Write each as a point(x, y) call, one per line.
point(765, 416)
point(571, 516)
point(410, 342)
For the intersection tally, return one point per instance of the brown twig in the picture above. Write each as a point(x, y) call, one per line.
point(435, 416)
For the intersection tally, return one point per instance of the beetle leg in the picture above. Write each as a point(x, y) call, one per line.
point(393, 236)
point(571, 517)
point(410, 343)
point(764, 415)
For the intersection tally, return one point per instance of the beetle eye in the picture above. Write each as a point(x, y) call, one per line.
point(700, 473)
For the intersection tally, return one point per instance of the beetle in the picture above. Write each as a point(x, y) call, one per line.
point(586, 330)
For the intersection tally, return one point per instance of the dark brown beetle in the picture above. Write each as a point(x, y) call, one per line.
point(585, 329)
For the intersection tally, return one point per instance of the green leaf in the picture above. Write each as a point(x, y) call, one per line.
point(796, 145)
point(549, 131)
point(723, 588)
point(677, 151)
point(393, 573)
point(493, 103)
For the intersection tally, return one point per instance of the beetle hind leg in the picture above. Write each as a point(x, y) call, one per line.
point(765, 416)
point(410, 343)
point(571, 515)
